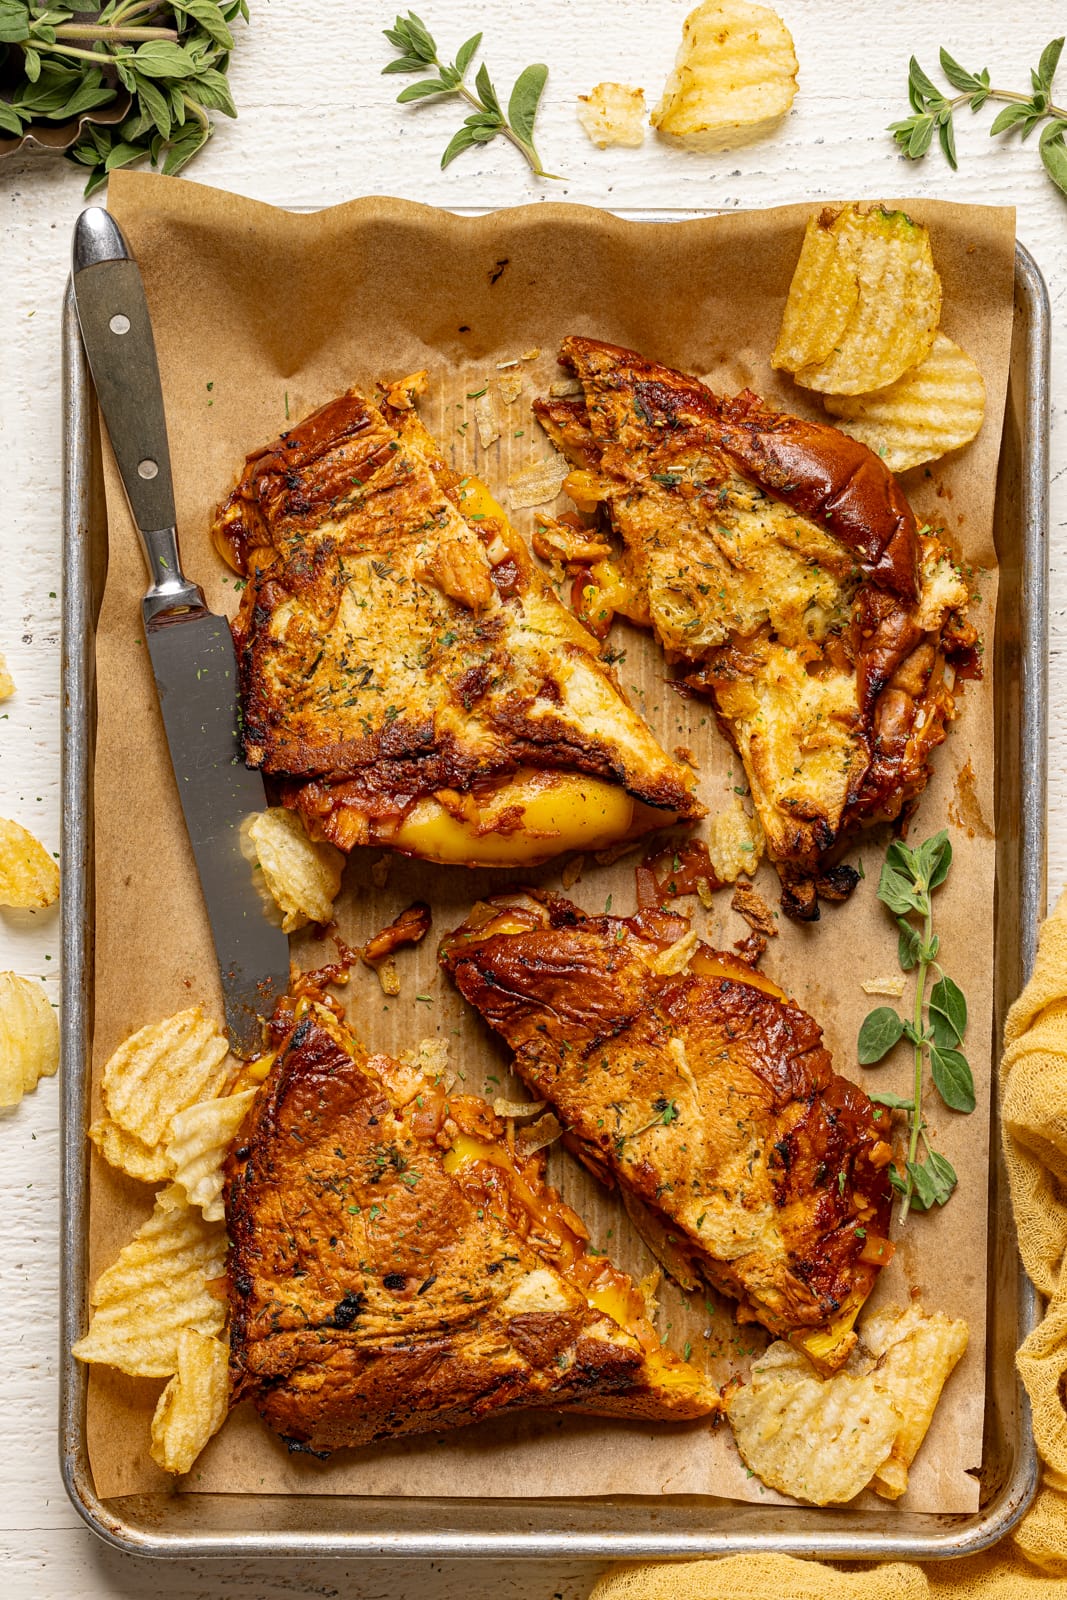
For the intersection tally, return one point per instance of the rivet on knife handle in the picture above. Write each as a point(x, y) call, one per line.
point(117, 334)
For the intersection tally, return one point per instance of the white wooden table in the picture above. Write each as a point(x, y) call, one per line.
point(317, 125)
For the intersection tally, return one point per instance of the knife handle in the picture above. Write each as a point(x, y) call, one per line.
point(117, 334)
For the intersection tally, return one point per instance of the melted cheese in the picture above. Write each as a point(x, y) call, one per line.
point(557, 812)
point(604, 1287)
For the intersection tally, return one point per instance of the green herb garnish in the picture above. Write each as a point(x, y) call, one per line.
point(934, 111)
point(936, 1027)
point(169, 56)
point(418, 51)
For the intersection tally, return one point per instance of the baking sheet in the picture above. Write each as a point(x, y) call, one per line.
point(258, 312)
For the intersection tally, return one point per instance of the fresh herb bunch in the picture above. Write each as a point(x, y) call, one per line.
point(170, 56)
point(418, 51)
point(936, 1027)
point(934, 110)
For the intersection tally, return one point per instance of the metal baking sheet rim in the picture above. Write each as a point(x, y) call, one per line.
point(244, 1526)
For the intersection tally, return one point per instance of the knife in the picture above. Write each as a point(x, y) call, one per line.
point(191, 649)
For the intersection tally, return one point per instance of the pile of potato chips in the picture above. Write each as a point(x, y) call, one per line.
point(159, 1311)
point(860, 327)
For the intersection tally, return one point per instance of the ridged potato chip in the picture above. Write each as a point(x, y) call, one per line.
point(162, 1069)
point(736, 66)
point(157, 1287)
point(29, 877)
point(822, 298)
point(7, 682)
point(193, 1406)
point(303, 876)
point(891, 324)
point(29, 1037)
point(613, 113)
point(131, 1155)
point(819, 1440)
point(910, 1354)
point(935, 407)
point(200, 1140)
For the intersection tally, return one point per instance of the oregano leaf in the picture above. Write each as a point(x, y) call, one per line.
point(879, 1032)
point(525, 98)
point(952, 1077)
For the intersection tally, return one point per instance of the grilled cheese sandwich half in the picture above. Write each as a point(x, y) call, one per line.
point(406, 672)
point(397, 1267)
point(780, 566)
point(694, 1085)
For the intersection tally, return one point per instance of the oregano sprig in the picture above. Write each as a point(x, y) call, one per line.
point(418, 53)
point(936, 1026)
point(170, 56)
point(934, 111)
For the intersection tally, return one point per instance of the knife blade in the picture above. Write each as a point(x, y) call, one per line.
point(191, 649)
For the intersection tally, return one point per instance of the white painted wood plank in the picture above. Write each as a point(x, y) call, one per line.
point(318, 126)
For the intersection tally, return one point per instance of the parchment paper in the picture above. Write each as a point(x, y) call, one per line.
point(260, 316)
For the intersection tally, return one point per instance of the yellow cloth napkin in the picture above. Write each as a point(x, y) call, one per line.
point(1032, 1563)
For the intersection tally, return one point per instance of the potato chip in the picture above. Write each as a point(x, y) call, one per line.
point(7, 682)
point(485, 420)
point(736, 66)
point(130, 1154)
point(162, 1069)
point(511, 385)
point(29, 877)
point(193, 1406)
point(822, 298)
point(200, 1140)
point(934, 407)
point(890, 325)
point(302, 875)
point(29, 1037)
point(735, 842)
point(613, 113)
point(819, 1440)
point(537, 483)
point(157, 1287)
point(910, 1354)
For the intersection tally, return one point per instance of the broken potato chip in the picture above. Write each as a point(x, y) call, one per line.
point(735, 842)
point(157, 1287)
point(200, 1140)
point(736, 66)
point(613, 113)
point(936, 406)
point(161, 1069)
point(843, 343)
point(908, 1354)
point(7, 682)
point(819, 1440)
point(29, 1037)
point(193, 1406)
point(29, 877)
point(302, 875)
point(537, 483)
point(130, 1154)
point(823, 1440)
